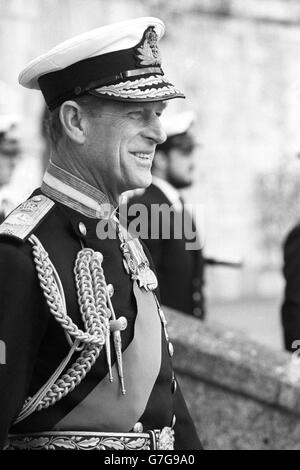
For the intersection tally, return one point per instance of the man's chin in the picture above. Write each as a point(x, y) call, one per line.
point(143, 183)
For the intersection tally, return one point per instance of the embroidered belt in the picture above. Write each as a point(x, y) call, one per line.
point(83, 440)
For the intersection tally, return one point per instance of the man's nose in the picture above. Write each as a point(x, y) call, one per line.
point(155, 131)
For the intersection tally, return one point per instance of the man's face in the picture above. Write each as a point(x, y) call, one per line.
point(121, 143)
point(180, 168)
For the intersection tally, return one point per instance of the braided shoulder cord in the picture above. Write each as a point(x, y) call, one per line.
point(91, 291)
point(53, 292)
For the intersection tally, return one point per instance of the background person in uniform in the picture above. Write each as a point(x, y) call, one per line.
point(9, 151)
point(180, 270)
point(86, 339)
point(290, 312)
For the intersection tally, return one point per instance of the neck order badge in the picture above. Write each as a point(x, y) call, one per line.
point(135, 261)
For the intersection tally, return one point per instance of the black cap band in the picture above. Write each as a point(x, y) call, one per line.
point(92, 73)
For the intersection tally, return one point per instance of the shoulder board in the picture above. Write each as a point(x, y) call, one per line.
point(25, 218)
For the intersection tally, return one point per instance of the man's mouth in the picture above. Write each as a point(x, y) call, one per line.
point(143, 156)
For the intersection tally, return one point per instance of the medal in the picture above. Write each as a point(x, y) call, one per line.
point(136, 262)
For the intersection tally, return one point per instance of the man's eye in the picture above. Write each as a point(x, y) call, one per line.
point(136, 114)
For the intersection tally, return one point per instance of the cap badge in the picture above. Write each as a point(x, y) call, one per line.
point(147, 52)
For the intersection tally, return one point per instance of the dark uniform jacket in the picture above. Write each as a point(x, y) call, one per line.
point(291, 304)
point(180, 271)
point(36, 343)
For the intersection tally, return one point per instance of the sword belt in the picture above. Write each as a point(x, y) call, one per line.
point(85, 440)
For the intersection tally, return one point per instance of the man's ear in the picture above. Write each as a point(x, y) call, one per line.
point(72, 120)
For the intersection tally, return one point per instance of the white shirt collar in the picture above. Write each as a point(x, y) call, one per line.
point(169, 191)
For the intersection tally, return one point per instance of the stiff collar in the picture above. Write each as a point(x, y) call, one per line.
point(75, 193)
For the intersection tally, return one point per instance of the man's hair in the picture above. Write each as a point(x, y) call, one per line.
point(51, 125)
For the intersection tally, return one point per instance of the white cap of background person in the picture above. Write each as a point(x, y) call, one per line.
point(177, 123)
point(178, 127)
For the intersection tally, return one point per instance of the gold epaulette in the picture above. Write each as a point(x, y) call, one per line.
point(25, 218)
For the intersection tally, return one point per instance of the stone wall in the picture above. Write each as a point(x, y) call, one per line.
point(240, 394)
point(285, 12)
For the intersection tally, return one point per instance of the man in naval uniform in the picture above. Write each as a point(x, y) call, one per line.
point(180, 269)
point(88, 358)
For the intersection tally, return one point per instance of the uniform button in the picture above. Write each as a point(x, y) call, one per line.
point(196, 282)
point(197, 312)
point(173, 421)
point(174, 385)
point(37, 199)
point(82, 229)
point(138, 427)
point(196, 296)
point(110, 290)
point(171, 349)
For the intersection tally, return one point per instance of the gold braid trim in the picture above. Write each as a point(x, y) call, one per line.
point(91, 291)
